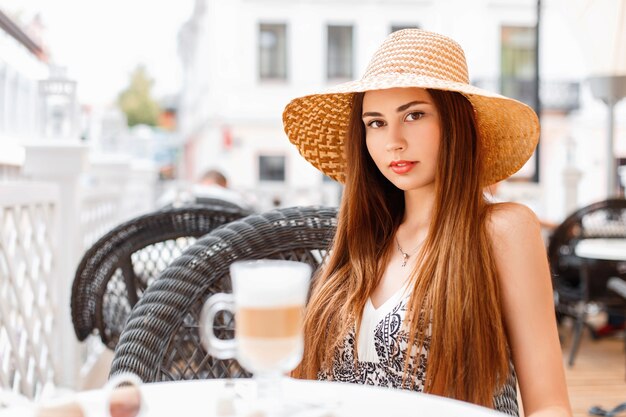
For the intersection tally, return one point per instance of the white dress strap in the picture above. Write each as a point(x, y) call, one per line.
point(366, 349)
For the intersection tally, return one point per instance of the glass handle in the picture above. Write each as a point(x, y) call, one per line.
point(216, 347)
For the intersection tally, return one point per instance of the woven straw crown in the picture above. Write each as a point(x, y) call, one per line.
point(508, 130)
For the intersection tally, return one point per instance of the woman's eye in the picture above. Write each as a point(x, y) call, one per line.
point(375, 124)
point(416, 115)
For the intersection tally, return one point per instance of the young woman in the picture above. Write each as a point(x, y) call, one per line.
point(429, 287)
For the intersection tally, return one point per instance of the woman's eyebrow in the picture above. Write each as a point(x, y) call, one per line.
point(407, 105)
point(399, 109)
point(372, 114)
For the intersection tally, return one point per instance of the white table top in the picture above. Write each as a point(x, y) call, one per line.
point(203, 398)
point(607, 249)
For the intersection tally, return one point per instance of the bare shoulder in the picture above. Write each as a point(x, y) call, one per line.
point(519, 253)
point(527, 304)
point(508, 222)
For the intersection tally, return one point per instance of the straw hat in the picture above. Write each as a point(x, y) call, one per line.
point(508, 130)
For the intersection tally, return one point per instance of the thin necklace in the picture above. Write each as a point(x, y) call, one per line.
point(406, 256)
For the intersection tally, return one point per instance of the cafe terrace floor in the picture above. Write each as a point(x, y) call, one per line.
point(598, 376)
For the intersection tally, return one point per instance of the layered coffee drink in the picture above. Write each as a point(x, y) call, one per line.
point(270, 338)
point(269, 310)
point(268, 302)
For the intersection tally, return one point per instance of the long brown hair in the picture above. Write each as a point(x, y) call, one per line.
point(456, 281)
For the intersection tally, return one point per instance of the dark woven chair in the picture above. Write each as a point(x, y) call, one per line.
point(161, 339)
point(116, 270)
point(578, 282)
point(212, 201)
point(206, 201)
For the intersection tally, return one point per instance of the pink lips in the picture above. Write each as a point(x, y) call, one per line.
point(402, 167)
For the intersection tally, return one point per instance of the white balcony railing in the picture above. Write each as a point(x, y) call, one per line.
point(46, 225)
point(28, 288)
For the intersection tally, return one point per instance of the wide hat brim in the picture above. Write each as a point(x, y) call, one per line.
point(508, 130)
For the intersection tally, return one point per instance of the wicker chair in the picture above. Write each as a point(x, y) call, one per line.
point(161, 339)
point(116, 270)
point(204, 201)
point(580, 282)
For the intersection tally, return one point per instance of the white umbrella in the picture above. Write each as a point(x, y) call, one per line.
point(601, 29)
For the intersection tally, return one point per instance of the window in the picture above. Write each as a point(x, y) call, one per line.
point(517, 76)
point(271, 168)
point(395, 28)
point(517, 63)
point(273, 51)
point(339, 63)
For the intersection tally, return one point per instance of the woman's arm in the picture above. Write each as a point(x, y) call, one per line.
point(528, 308)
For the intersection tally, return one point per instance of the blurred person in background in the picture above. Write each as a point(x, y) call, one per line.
point(211, 188)
point(214, 185)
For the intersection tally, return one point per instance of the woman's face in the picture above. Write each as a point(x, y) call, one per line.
point(402, 133)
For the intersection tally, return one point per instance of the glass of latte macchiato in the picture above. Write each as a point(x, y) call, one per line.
point(268, 301)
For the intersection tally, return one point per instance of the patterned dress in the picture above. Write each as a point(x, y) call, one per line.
point(381, 363)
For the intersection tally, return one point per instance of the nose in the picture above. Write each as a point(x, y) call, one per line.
point(395, 140)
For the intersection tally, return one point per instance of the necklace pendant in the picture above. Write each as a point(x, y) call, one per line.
point(405, 258)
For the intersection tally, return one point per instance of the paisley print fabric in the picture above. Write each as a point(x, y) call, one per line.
point(391, 347)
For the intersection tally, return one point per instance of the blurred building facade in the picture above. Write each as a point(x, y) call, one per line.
point(244, 60)
point(23, 62)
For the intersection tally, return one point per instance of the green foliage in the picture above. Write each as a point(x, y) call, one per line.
point(136, 102)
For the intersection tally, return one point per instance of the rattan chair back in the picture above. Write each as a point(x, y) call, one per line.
point(161, 339)
point(580, 282)
point(114, 273)
point(604, 219)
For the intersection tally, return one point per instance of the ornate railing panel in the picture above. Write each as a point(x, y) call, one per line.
point(28, 307)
